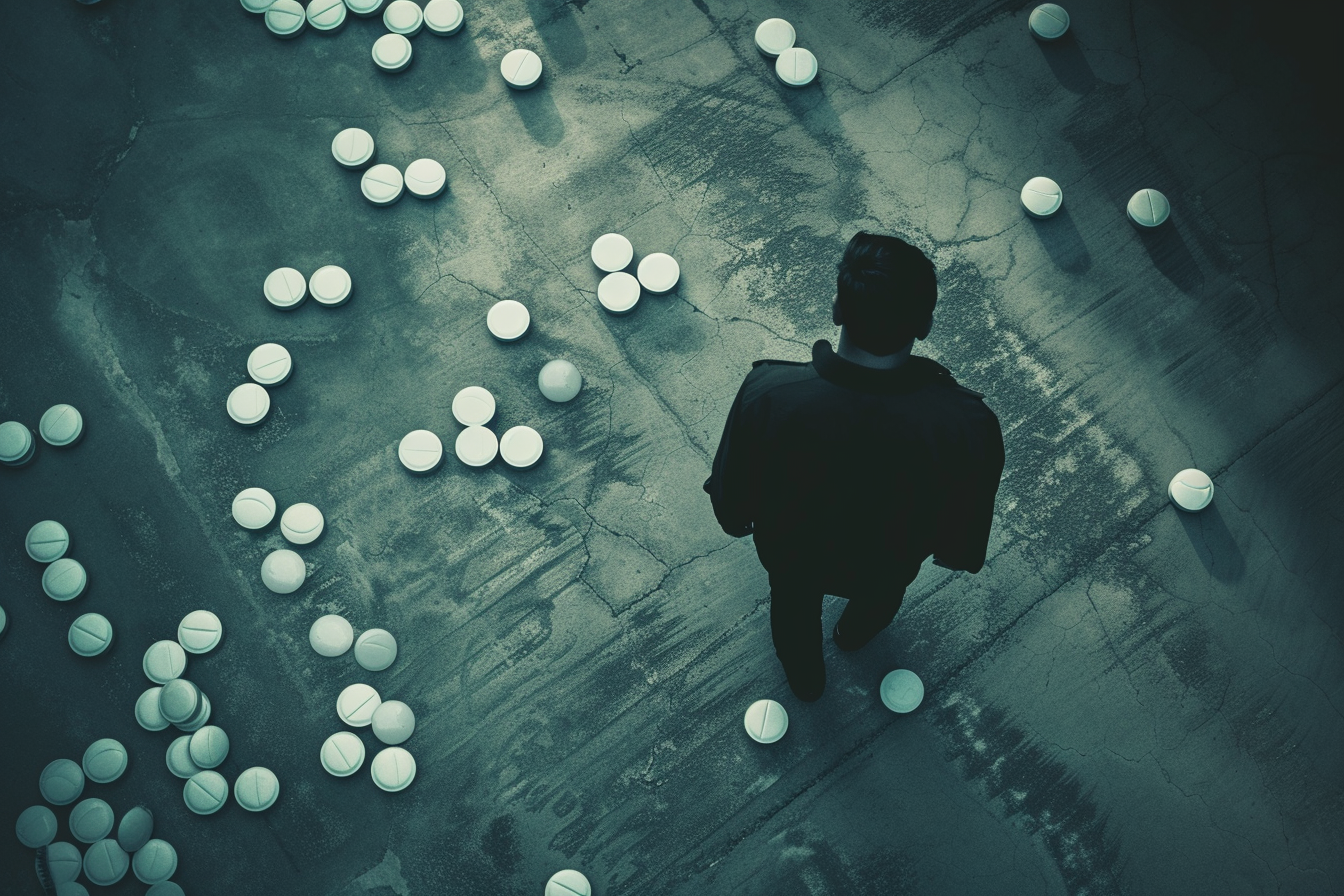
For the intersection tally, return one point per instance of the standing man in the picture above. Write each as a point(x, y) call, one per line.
point(854, 467)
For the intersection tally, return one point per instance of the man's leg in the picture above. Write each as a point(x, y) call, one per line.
point(865, 616)
point(795, 625)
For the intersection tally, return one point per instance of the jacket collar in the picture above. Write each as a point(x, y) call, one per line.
point(911, 375)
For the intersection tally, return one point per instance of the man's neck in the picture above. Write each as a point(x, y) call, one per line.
point(855, 355)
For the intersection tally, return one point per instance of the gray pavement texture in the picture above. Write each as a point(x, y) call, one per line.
point(1126, 700)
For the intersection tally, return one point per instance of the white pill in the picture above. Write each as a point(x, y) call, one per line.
point(256, 789)
point(796, 67)
point(91, 820)
point(1042, 197)
point(443, 17)
point(331, 635)
point(63, 862)
point(283, 571)
point(135, 829)
point(209, 747)
point(205, 792)
point(47, 541)
point(659, 272)
point(612, 252)
point(1048, 21)
point(393, 769)
point(195, 722)
point(521, 68)
point(1148, 208)
point(420, 451)
point(301, 523)
point(357, 704)
point(257, 6)
point(364, 8)
point(403, 17)
point(199, 631)
point(330, 285)
point(392, 53)
point(178, 757)
point(164, 661)
point(270, 364)
point(248, 404)
point(104, 761)
point(90, 634)
point(382, 184)
point(476, 446)
point(473, 406)
point(393, 722)
point(254, 508)
point(425, 178)
point(285, 18)
point(36, 826)
point(376, 649)
point(343, 754)
point(508, 320)
point(618, 292)
point(147, 711)
point(285, 288)
point(774, 36)
point(106, 862)
point(17, 445)
point(154, 862)
point(179, 701)
point(559, 380)
point(61, 425)
point(901, 690)
point(4, 622)
point(521, 447)
point(766, 721)
point(326, 15)
point(64, 579)
point(61, 782)
point(568, 883)
point(352, 148)
point(1191, 490)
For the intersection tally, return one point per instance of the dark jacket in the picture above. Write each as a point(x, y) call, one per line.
point(844, 472)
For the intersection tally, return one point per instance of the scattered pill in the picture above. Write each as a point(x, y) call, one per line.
point(1148, 208)
point(521, 68)
point(36, 826)
point(248, 404)
point(659, 272)
point(443, 17)
point(382, 184)
point(61, 782)
point(47, 541)
point(200, 631)
point(796, 67)
point(135, 829)
point(559, 380)
point(521, 447)
point(209, 747)
point(766, 721)
point(901, 690)
point(357, 704)
point(165, 888)
point(420, 451)
point(64, 579)
point(301, 523)
point(618, 292)
point(195, 722)
point(568, 883)
point(1042, 197)
point(164, 661)
point(352, 148)
point(473, 406)
point(612, 252)
point(253, 508)
point(425, 178)
point(285, 18)
point(391, 53)
point(1048, 21)
point(104, 761)
point(1191, 490)
point(91, 820)
point(393, 769)
point(106, 862)
point(364, 8)
point(331, 635)
point(393, 722)
point(285, 288)
point(90, 634)
point(178, 757)
point(17, 445)
point(257, 6)
point(476, 446)
point(205, 792)
point(155, 861)
point(508, 320)
point(61, 425)
point(179, 701)
point(343, 754)
point(326, 15)
point(376, 649)
point(270, 364)
point(330, 285)
point(63, 862)
point(147, 711)
point(403, 17)
point(256, 789)
point(283, 571)
point(774, 36)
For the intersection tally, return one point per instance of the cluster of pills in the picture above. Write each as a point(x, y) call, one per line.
point(286, 288)
point(794, 66)
point(402, 18)
point(384, 184)
point(767, 721)
point(283, 570)
point(269, 364)
point(618, 291)
point(61, 426)
point(421, 451)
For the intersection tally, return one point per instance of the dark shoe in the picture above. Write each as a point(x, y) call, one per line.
point(846, 644)
point(807, 687)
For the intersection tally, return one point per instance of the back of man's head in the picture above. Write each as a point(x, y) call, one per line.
point(886, 290)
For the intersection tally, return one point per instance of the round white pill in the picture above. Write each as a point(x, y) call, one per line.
point(351, 148)
point(91, 820)
point(659, 272)
point(331, 635)
point(343, 754)
point(476, 446)
point(195, 722)
point(559, 380)
point(382, 184)
point(17, 445)
point(178, 757)
point(104, 761)
point(403, 17)
point(253, 508)
point(154, 862)
point(63, 862)
point(473, 406)
point(326, 15)
point(248, 404)
point(179, 701)
point(135, 829)
point(36, 826)
point(106, 862)
point(90, 634)
point(270, 364)
point(376, 649)
point(521, 68)
point(164, 661)
point(61, 782)
point(774, 36)
point(64, 579)
point(618, 292)
point(612, 252)
point(283, 571)
point(443, 17)
point(1148, 208)
point(508, 320)
point(766, 721)
point(393, 722)
point(1048, 21)
point(391, 53)
point(285, 18)
point(209, 747)
point(206, 792)
point(199, 631)
point(521, 447)
point(147, 711)
point(393, 769)
point(364, 8)
point(285, 288)
point(301, 523)
point(568, 883)
point(901, 690)
point(61, 425)
point(256, 789)
point(420, 451)
point(1191, 490)
point(47, 541)
point(357, 704)
point(257, 6)
point(1042, 197)
point(796, 67)
point(330, 285)
point(425, 178)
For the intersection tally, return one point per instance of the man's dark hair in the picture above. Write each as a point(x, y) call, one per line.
point(886, 290)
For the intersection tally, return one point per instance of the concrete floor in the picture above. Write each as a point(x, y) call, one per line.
point(1126, 700)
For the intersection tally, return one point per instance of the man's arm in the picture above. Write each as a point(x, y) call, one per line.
point(963, 529)
point(729, 484)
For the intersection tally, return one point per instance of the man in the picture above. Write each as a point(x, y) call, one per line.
point(852, 469)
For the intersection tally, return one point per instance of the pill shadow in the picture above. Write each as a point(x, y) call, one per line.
point(1063, 241)
point(1172, 256)
point(540, 115)
point(559, 31)
point(1214, 544)
point(1067, 61)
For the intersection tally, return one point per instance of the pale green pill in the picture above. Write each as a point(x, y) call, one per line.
point(205, 792)
point(326, 15)
point(393, 722)
point(154, 862)
point(71, 888)
point(47, 541)
point(136, 827)
point(342, 754)
point(285, 18)
point(357, 704)
point(200, 631)
point(147, 711)
point(195, 722)
point(164, 661)
point(65, 579)
point(91, 820)
point(283, 571)
point(179, 701)
point(393, 769)
point(179, 758)
point(63, 862)
point(165, 888)
point(568, 883)
point(104, 761)
point(61, 426)
point(106, 862)
point(17, 445)
point(62, 782)
point(90, 634)
point(376, 649)
point(256, 789)
point(209, 747)
point(36, 826)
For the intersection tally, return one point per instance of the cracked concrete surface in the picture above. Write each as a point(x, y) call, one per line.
point(1127, 699)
